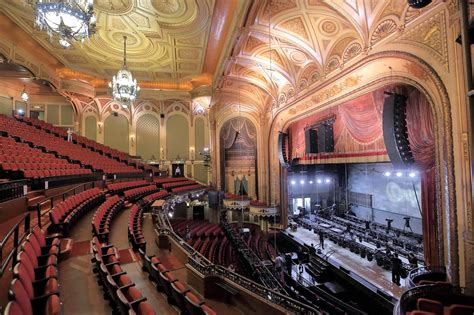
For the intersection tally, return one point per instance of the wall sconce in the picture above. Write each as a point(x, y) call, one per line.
point(99, 126)
point(191, 150)
point(132, 140)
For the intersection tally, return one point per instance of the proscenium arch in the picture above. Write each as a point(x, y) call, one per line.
point(436, 93)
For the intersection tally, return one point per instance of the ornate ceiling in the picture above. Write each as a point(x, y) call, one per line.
point(167, 39)
point(288, 46)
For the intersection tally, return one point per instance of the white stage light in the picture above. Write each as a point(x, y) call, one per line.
point(310, 181)
point(387, 174)
point(319, 181)
point(302, 182)
point(412, 174)
point(399, 174)
point(293, 182)
point(328, 180)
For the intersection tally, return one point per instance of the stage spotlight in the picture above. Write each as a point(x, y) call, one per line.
point(412, 174)
point(302, 182)
point(310, 181)
point(293, 182)
point(399, 174)
point(387, 174)
point(21, 111)
point(327, 180)
point(319, 181)
point(170, 214)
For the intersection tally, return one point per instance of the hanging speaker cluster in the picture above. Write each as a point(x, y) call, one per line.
point(283, 140)
point(395, 132)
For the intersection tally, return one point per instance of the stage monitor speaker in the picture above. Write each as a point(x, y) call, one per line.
point(311, 141)
point(395, 133)
point(325, 138)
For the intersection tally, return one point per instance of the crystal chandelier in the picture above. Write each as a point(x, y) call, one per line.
point(124, 87)
point(69, 19)
point(24, 95)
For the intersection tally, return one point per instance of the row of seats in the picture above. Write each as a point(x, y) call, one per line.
point(164, 180)
point(35, 288)
point(117, 188)
point(120, 290)
point(135, 233)
point(136, 193)
point(178, 184)
point(55, 173)
point(158, 195)
point(432, 307)
point(186, 188)
point(79, 139)
point(19, 158)
point(72, 151)
point(177, 292)
point(104, 215)
point(64, 215)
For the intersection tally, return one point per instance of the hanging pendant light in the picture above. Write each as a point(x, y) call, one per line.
point(124, 87)
point(24, 95)
point(70, 20)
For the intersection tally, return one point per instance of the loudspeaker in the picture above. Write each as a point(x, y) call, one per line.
point(282, 148)
point(311, 141)
point(395, 132)
point(162, 115)
point(325, 138)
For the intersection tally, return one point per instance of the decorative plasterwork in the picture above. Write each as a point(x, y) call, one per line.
point(431, 35)
point(167, 37)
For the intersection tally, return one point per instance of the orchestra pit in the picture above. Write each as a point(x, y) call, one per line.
point(236, 157)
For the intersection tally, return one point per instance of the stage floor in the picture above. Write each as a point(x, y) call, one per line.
point(361, 269)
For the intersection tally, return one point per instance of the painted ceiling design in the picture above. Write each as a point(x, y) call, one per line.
point(290, 45)
point(166, 39)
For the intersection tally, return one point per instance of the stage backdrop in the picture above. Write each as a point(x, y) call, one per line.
point(358, 128)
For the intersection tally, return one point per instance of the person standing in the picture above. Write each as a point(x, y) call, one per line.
point(69, 134)
point(288, 263)
point(299, 253)
point(321, 238)
point(396, 269)
point(279, 267)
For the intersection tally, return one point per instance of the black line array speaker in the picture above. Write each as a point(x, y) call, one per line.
point(282, 143)
point(311, 141)
point(395, 132)
point(325, 138)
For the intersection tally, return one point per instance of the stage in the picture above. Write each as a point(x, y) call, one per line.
point(368, 273)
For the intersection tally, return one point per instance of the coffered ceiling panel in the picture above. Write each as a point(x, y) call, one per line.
point(166, 39)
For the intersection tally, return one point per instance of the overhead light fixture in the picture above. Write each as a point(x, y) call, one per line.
point(124, 87)
point(24, 95)
point(418, 4)
point(71, 20)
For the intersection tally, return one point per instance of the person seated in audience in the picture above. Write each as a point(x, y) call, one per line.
point(231, 267)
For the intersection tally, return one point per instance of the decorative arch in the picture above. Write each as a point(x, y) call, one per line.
point(177, 136)
point(116, 132)
point(148, 136)
point(361, 78)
